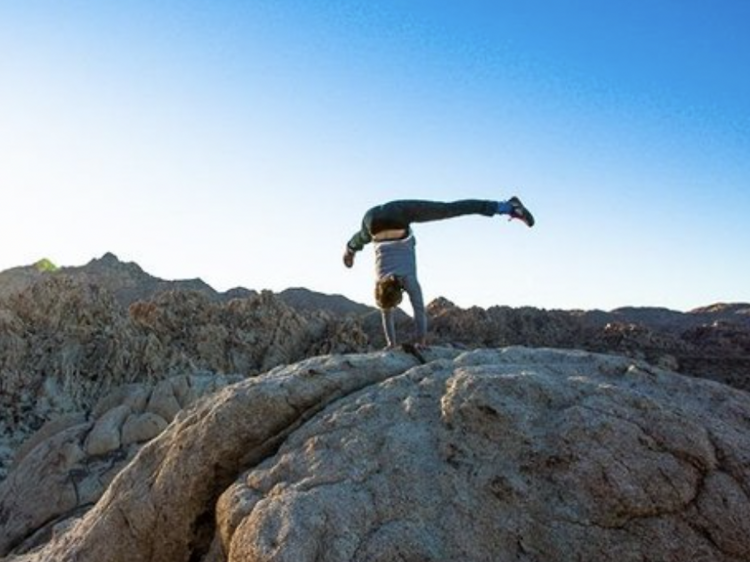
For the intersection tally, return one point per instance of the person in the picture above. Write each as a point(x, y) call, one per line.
point(389, 227)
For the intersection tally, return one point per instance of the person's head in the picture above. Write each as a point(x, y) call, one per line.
point(389, 292)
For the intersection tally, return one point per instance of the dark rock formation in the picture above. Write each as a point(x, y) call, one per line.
point(694, 343)
point(306, 300)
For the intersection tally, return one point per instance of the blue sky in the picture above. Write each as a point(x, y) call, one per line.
point(241, 142)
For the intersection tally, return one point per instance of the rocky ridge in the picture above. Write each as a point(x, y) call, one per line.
point(163, 421)
point(66, 341)
point(70, 335)
point(127, 282)
point(711, 343)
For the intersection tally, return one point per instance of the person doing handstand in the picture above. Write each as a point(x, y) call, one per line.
point(389, 227)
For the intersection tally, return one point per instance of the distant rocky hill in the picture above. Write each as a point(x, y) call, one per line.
point(671, 320)
point(307, 300)
point(126, 281)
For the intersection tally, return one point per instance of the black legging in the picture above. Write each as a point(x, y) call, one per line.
point(400, 214)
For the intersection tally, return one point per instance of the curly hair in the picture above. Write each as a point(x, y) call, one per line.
point(389, 292)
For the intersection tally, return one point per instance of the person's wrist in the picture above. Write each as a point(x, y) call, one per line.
point(349, 257)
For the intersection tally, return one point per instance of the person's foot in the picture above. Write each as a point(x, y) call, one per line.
point(420, 344)
point(518, 211)
point(415, 350)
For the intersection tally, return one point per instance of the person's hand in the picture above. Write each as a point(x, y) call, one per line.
point(348, 258)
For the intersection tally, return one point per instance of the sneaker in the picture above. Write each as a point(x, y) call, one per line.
point(520, 212)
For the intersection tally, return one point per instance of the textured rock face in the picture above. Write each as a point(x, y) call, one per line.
point(64, 343)
point(67, 465)
point(509, 454)
point(712, 343)
point(68, 337)
point(503, 325)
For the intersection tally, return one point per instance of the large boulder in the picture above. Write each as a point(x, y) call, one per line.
point(507, 454)
point(65, 467)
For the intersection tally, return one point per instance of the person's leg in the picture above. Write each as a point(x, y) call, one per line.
point(428, 211)
point(400, 214)
point(414, 290)
point(389, 328)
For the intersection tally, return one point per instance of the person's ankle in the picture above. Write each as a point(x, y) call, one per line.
point(504, 208)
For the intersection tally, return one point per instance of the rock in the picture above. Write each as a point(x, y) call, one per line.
point(47, 431)
point(183, 391)
point(106, 437)
point(303, 299)
point(6, 457)
point(503, 325)
point(712, 343)
point(69, 336)
point(41, 487)
point(142, 427)
point(66, 341)
point(507, 454)
point(527, 463)
point(163, 402)
point(64, 468)
point(133, 395)
point(247, 422)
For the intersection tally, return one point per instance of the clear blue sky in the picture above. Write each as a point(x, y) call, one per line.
point(241, 142)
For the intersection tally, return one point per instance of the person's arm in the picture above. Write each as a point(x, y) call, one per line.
point(389, 327)
point(355, 244)
point(359, 240)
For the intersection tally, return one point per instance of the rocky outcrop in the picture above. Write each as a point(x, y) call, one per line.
point(503, 325)
point(66, 342)
point(505, 454)
point(66, 338)
point(691, 343)
point(721, 350)
point(128, 282)
point(66, 466)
